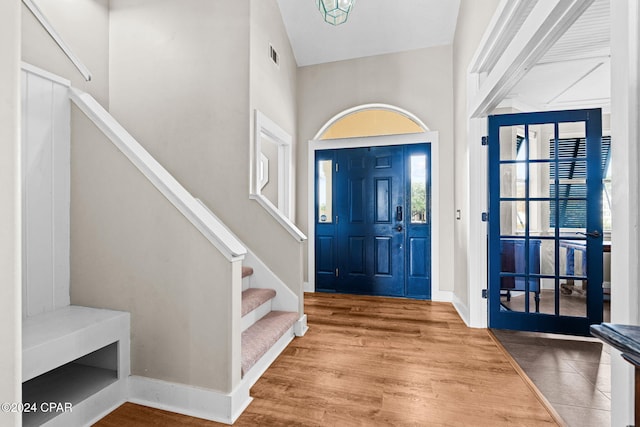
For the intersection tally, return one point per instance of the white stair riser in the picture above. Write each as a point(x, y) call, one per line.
point(253, 316)
point(246, 283)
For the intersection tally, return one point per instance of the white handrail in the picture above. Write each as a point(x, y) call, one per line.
point(199, 216)
point(279, 216)
point(57, 38)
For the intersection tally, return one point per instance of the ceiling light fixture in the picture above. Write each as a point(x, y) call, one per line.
point(335, 12)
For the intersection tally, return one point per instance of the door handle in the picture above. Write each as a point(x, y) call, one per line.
point(399, 227)
point(398, 213)
point(595, 234)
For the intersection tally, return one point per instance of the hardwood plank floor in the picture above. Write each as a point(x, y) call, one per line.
point(378, 361)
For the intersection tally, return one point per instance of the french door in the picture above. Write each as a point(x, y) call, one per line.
point(545, 221)
point(373, 232)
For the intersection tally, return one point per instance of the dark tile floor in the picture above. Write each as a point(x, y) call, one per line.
point(573, 373)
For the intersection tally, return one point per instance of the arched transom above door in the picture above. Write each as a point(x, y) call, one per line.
point(371, 120)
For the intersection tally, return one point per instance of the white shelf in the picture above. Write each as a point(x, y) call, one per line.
point(53, 339)
point(71, 383)
point(75, 355)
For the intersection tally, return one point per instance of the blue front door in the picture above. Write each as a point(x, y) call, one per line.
point(372, 221)
point(545, 221)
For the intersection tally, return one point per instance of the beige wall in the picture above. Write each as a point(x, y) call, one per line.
point(272, 88)
point(473, 19)
point(418, 81)
point(174, 283)
point(10, 259)
point(180, 83)
point(272, 91)
point(134, 251)
point(84, 26)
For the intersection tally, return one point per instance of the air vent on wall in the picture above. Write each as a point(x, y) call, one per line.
point(274, 55)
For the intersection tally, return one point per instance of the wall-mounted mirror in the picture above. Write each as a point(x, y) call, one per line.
point(271, 182)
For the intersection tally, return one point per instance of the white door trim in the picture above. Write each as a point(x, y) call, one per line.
point(625, 161)
point(542, 27)
point(375, 141)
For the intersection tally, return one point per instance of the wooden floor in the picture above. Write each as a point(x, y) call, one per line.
point(379, 361)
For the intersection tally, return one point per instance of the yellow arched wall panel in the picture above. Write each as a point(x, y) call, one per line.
point(371, 123)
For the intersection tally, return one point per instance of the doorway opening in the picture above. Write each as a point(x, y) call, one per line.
point(362, 132)
point(372, 222)
point(545, 226)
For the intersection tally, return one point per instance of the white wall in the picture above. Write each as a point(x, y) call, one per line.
point(473, 19)
point(10, 208)
point(45, 193)
point(418, 81)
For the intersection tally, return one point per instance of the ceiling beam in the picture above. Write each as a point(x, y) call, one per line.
point(544, 25)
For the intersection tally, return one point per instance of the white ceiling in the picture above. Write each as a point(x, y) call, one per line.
point(374, 27)
point(576, 71)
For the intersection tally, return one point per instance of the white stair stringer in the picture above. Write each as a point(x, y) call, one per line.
point(254, 374)
point(285, 300)
point(263, 277)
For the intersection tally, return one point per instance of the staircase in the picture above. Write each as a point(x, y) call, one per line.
point(260, 329)
point(265, 332)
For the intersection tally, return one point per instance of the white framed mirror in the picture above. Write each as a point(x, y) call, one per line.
point(272, 182)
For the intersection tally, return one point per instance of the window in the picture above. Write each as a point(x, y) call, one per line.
point(418, 189)
point(572, 182)
point(325, 187)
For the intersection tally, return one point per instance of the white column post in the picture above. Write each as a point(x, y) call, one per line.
point(625, 237)
point(10, 213)
point(477, 229)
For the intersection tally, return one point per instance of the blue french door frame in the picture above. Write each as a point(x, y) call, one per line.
point(381, 249)
point(514, 258)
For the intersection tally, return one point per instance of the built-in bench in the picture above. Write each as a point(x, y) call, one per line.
point(75, 364)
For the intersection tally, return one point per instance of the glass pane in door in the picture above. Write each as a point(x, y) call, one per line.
point(544, 214)
point(418, 182)
point(325, 188)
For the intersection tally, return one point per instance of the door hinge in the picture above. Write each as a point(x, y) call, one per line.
point(337, 167)
point(336, 219)
point(484, 294)
point(485, 216)
point(485, 140)
point(337, 272)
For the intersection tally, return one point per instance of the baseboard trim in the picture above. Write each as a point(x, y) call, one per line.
point(189, 400)
point(205, 403)
point(306, 287)
point(462, 309)
point(300, 327)
point(442, 296)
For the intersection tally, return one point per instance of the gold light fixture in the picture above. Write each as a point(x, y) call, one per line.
point(335, 12)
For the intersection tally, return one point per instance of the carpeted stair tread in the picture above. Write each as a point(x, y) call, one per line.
point(260, 337)
point(246, 271)
point(253, 298)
